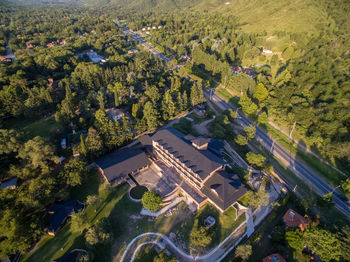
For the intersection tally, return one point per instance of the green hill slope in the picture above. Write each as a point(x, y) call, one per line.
point(254, 15)
point(272, 15)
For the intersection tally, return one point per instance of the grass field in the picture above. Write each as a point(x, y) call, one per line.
point(233, 100)
point(31, 128)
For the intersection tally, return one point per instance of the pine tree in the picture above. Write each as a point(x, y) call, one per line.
point(116, 98)
point(83, 149)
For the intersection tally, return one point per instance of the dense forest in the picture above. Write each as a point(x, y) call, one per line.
point(54, 84)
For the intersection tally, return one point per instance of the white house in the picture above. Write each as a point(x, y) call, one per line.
point(266, 51)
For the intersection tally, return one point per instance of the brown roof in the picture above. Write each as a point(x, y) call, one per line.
point(292, 219)
point(223, 189)
point(202, 162)
point(274, 258)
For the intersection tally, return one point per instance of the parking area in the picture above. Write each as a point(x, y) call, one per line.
point(153, 180)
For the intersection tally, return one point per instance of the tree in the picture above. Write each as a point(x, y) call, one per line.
point(250, 131)
point(79, 221)
point(256, 199)
point(151, 201)
point(232, 114)
point(255, 159)
point(261, 93)
point(241, 140)
point(151, 116)
point(108, 129)
point(244, 251)
point(65, 111)
point(99, 234)
point(200, 236)
point(135, 110)
point(101, 100)
point(197, 96)
point(116, 98)
point(94, 201)
point(346, 185)
point(288, 52)
point(83, 148)
point(323, 243)
point(247, 105)
point(163, 257)
point(294, 238)
point(153, 93)
point(37, 153)
point(9, 141)
point(263, 119)
point(168, 106)
point(93, 143)
point(73, 172)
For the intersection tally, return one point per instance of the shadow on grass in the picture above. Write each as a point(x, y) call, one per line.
point(89, 187)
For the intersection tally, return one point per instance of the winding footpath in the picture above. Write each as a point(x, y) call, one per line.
point(216, 254)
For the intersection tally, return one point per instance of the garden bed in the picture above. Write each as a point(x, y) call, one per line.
point(138, 191)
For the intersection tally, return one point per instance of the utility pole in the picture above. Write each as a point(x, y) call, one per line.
point(290, 134)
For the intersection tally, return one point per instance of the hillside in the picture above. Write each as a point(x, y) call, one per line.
point(254, 15)
point(272, 15)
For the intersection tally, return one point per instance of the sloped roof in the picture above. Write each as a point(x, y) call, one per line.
point(200, 141)
point(224, 189)
point(9, 183)
point(61, 211)
point(274, 258)
point(122, 162)
point(293, 219)
point(201, 162)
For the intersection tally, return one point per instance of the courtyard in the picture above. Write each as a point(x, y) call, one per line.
point(154, 180)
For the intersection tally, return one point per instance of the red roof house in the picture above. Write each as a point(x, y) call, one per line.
point(274, 258)
point(292, 219)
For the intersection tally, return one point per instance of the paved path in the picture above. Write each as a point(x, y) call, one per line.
point(176, 201)
point(201, 128)
point(215, 254)
point(319, 186)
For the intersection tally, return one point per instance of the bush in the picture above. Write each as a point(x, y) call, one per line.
point(99, 234)
point(200, 236)
point(151, 201)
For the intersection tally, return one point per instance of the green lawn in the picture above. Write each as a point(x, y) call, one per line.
point(196, 119)
point(223, 93)
point(34, 127)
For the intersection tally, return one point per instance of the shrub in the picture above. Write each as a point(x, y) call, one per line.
point(151, 201)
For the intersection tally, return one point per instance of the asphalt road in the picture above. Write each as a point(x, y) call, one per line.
point(137, 37)
point(297, 167)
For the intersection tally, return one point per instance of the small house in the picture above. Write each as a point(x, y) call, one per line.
point(64, 143)
point(60, 212)
point(9, 184)
point(293, 219)
point(267, 51)
point(274, 258)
